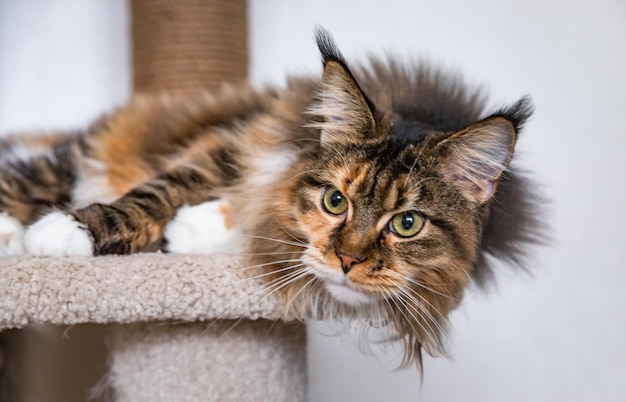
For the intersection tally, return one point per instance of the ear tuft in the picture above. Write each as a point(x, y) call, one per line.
point(518, 113)
point(327, 46)
point(346, 112)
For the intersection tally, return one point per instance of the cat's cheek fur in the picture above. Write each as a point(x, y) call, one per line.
point(56, 235)
point(11, 235)
point(202, 229)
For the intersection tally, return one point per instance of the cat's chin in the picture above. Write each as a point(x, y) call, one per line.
point(344, 292)
point(338, 286)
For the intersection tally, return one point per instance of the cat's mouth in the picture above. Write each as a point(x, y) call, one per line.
point(337, 284)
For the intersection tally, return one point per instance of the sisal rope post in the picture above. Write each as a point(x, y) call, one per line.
point(188, 44)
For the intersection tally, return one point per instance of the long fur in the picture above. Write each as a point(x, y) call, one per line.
point(388, 138)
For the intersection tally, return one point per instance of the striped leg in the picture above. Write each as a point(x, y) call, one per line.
point(133, 223)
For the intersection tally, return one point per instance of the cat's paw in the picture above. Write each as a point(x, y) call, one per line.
point(201, 229)
point(11, 235)
point(56, 235)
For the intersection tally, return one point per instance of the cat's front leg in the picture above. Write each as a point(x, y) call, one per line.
point(133, 223)
point(97, 229)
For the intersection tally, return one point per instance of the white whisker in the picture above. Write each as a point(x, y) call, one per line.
point(274, 271)
point(267, 263)
point(297, 244)
point(402, 308)
point(422, 285)
point(276, 284)
point(419, 304)
point(291, 300)
point(423, 309)
point(418, 309)
point(287, 278)
point(258, 254)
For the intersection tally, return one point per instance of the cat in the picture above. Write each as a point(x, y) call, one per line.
point(375, 193)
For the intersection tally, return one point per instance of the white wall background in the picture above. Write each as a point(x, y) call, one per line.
point(559, 335)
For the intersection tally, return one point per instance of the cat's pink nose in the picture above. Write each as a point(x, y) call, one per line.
point(347, 261)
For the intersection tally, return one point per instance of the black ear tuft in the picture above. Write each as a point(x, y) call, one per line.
point(330, 53)
point(327, 46)
point(518, 113)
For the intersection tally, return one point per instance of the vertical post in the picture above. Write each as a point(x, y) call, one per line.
point(188, 44)
point(249, 360)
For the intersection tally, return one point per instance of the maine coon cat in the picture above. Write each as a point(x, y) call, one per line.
point(373, 193)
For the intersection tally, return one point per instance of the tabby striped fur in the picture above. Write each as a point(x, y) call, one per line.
point(387, 138)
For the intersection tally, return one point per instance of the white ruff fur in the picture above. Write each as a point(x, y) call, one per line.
point(92, 184)
point(343, 291)
point(11, 235)
point(201, 229)
point(270, 165)
point(56, 235)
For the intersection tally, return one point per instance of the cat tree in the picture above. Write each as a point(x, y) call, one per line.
point(178, 328)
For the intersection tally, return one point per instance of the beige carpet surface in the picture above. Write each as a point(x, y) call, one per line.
point(130, 289)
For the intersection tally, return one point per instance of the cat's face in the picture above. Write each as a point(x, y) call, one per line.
point(382, 225)
point(393, 212)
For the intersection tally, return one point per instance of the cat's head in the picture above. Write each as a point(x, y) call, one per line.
point(394, 210)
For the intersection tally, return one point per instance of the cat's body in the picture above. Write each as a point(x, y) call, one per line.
point(361, 197)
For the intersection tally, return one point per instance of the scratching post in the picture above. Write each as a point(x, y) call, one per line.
point(179, 328)
point(253, 361)
point(188, 44)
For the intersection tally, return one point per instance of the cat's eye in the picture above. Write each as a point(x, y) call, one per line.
point(333, 201)
point(406, 224)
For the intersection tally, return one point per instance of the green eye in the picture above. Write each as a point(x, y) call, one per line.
point(333, 201)
point(406, 224)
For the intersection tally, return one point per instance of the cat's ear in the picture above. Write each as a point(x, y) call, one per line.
point(346, 111)
point(475, 157)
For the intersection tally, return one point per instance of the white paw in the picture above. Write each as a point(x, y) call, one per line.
point(56, 235)
point(11, 235)
point(201, 229)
